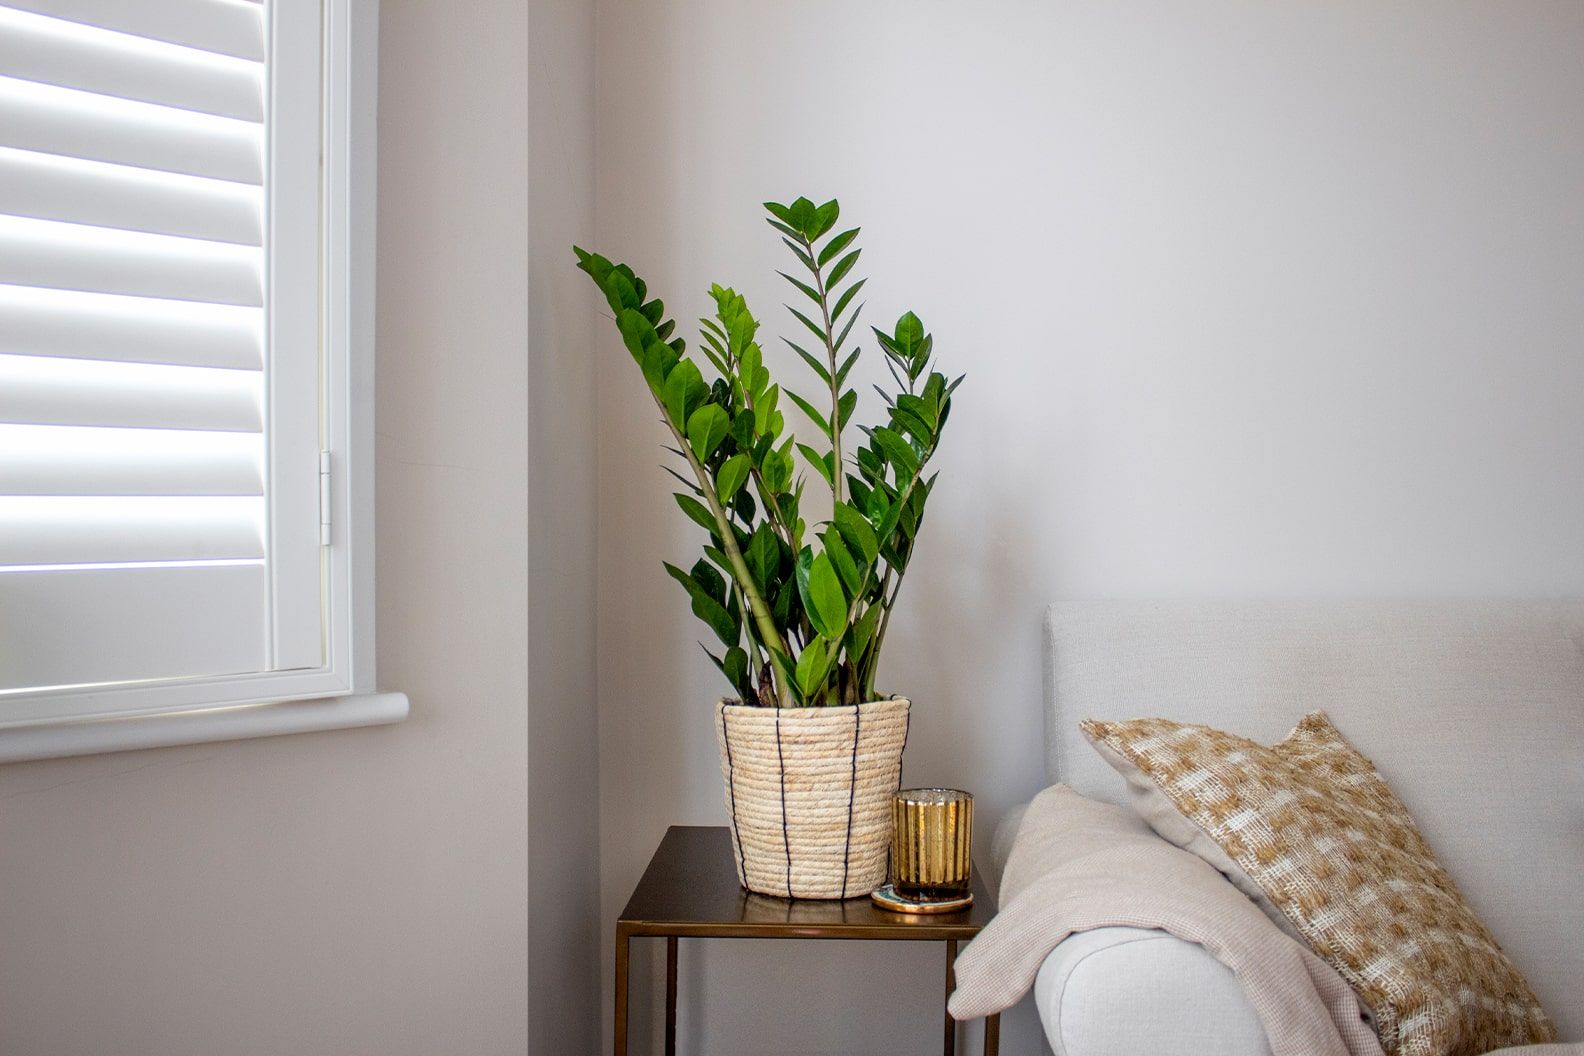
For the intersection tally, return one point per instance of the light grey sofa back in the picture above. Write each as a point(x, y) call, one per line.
point(1473, 711)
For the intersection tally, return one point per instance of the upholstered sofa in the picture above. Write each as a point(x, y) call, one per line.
point(1473, 711)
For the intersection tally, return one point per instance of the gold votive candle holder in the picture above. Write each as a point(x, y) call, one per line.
point(931, 843)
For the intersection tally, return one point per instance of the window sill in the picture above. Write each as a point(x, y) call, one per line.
point(197, 725)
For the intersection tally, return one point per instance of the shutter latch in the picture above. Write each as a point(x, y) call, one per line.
point(324, 498)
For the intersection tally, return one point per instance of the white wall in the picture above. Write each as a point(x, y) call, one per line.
point(362, 891)
point(1253, 299)
point(566, 941)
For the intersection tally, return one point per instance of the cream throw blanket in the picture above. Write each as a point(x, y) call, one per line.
point(1078, 864)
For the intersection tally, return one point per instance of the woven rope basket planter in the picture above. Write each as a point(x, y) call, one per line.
point(809, 792)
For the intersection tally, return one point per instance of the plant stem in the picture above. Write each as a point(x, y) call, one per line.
point(763, 618)
point(838, 475)
point(885, 604)
point(880, 633)
point(755, 657)
point(766, 499)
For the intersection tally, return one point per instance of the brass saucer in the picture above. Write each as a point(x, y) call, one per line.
point(887, 897)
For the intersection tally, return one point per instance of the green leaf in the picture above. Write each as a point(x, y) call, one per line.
point(911, 511)
point(909, 334)
point(835, 246)
point(686, 483)
point(911, 424)
point(862, 633)
point(764, 410)
point(927, 411)
point(823, 598)
point(820, 463)
point(763, 556)
point(847, 365)
point(814, 363)
point(878, 510)
point(706, 428)
point(852, 576)
point(870, 463)
point(913, 516)
point(741, 334)
point(843, 266)
point(808, 290)
point(715, 352)
point(857, 531)
point(742, 430)
point(657, 362)
point(811, 324)
point(697, 512)
point(683, 391)
point(846, 298)
point(782, 213)
point(620, 291)
point(887, 342)
point(859, 492)
point(847, 404)
point(711, 581)
point(735, 667)
point(825, 218)
point(805, 218)
point(745, 506)
point(812, 666)
point(809, 409)
point(898, 451)
point(733, 473)
point(750, 367)
point(707, 608)
point(595, 265)
point(797, 250)
point(635, 330)
point(781, 608)
point(841, 338)
point(776, 471)
point(784, 229)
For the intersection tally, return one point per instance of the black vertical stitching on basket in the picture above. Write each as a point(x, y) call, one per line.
point(786, 837)
point(731, 789)
point(852, 792)
point(907, 728)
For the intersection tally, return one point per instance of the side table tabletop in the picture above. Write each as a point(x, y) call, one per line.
point(690, 890)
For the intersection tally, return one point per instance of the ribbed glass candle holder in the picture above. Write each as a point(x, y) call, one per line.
point(931, 842)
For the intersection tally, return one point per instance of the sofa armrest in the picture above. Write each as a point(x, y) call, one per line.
point(1125, 991)
point(1001, 846)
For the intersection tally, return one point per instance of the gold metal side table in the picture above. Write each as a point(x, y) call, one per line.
point(690, 891)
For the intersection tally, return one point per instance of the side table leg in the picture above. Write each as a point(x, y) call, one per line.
point(671, 992)
point(992, 1035)
point(950, 1046)
point(623, 941)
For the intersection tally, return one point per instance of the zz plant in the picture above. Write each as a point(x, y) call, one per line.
point(802, 613)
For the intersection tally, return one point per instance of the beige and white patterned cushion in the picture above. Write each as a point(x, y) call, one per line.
point(1316, 831)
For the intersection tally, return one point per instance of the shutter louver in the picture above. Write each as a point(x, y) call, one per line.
point(133, 459)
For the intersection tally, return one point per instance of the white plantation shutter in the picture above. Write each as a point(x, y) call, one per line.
point(160, 342)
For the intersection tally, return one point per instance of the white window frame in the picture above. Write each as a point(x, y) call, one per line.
point(341, 693)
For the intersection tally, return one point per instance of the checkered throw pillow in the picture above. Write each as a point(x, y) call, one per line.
point(1317, 831)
